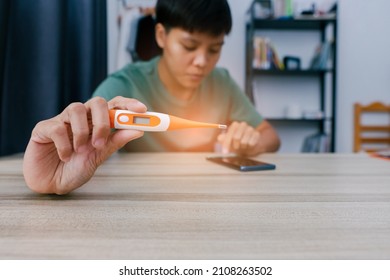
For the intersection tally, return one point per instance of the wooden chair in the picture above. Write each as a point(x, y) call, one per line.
point(369, 135)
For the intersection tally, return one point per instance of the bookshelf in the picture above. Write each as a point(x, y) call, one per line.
point(322, 79)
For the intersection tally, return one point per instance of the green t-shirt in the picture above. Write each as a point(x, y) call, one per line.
point(219, 100)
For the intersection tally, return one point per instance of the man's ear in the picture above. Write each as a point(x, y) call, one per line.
point(160, 35)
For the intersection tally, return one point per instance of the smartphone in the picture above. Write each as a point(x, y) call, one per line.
point(242, 163)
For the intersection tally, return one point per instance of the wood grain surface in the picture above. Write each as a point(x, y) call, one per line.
point(181, 206)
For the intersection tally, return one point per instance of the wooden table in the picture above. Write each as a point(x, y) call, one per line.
point(180, 206)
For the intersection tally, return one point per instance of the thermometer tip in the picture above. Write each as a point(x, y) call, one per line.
point(222, 126)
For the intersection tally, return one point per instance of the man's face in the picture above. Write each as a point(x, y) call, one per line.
point(189, 57)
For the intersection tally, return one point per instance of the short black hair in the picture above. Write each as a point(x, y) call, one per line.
point(207, 16)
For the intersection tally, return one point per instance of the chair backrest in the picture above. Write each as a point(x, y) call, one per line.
point(371, 127)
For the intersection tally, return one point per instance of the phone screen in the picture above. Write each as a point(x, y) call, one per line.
point(242, 163)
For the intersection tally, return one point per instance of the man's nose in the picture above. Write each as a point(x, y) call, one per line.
point(200, 59)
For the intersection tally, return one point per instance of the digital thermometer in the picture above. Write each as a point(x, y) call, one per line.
point(152, 121)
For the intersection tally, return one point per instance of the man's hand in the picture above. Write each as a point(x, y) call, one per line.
point(65, 151)
point(243, 139)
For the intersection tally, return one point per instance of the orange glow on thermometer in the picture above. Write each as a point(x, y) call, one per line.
point(152, 121)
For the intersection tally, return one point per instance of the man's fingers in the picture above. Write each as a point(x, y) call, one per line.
point(227, 141)
point(81, 125)
point(121, 137)
point(54, 132)
point(100, 121)
point(76, 114)
point(254, 139)
point(238, 134)
point(239, 137)
point(249, 138)
point(62, 141)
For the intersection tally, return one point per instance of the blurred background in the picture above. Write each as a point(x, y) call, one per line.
point(54, 52)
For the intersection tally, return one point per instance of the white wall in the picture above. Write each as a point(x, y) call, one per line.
point(233, 53)
point(363, 61)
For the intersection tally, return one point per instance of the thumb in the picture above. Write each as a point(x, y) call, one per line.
point(121, 137)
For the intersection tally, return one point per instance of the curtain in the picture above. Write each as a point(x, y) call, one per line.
point(52, 53)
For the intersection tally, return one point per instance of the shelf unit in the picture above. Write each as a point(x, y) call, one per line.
point(326, 77)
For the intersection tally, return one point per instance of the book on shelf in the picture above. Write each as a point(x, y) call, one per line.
point(265, 55)
point(316, 143)
point(322, 56)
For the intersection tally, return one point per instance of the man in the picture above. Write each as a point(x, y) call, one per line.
point(65, 151)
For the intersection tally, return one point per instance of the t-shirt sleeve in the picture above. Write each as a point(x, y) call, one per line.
point(114, 85)
point(242, 108)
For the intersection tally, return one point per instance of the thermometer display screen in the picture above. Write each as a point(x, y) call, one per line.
point(141, 120)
